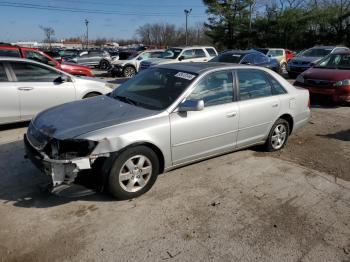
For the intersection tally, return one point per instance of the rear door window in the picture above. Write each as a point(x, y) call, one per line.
point(28, 72)
point(189, 54)
point(10, 52)
point(253, 84)
point(199, 53)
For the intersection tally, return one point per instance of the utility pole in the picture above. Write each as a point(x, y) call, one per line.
point(87, 33)
point(187, 13)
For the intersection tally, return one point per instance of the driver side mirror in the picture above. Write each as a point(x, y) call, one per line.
point(191, 105)
point(181, 58)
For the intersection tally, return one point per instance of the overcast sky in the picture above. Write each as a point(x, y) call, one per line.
point(20, 19)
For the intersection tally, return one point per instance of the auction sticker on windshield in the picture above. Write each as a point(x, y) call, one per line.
point(186, 76)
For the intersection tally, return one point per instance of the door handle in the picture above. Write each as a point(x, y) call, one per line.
point(232, 114)
point(275, 105)
point(25, 88)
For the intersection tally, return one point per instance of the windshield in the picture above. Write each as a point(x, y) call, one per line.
point(275, 52)
point(171, 53)
point(127, 56)
point(316, 52)
point(228, 58)
point(335, 62)
point(154, 89)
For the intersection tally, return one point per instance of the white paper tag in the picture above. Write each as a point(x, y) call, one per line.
point(185, 75)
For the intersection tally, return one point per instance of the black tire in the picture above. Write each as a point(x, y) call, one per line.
point(104, 65)
point(114, 184)
point(129, 71)
point(269, 144)
point(91, 95)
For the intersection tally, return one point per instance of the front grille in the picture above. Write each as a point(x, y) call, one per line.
point(38, 139)
point(319, 83)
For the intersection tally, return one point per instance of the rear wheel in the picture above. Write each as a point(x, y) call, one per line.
point(133, 172)
point(129, 71)
point(104, 65)
point(278, 136)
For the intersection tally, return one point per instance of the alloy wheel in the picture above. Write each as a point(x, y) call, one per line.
point(279, 136)
point(129, 72)
point(135, 173)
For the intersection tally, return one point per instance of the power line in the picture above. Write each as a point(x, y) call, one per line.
point(83, 10)
point(123, 4)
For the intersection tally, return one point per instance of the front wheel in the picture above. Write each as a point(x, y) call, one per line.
point(129, 71)
point(133, 172)
point(278, 136)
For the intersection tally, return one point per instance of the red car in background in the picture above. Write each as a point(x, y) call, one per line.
point(39, 56)
point(330, 77)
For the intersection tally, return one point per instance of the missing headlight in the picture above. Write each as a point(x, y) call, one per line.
point(69, 149)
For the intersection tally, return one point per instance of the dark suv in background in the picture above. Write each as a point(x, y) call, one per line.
point(96, 58)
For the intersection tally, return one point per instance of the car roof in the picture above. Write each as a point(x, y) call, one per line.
point(241, 52)
point(199, 67)
point(194, 46)
point(327, 47)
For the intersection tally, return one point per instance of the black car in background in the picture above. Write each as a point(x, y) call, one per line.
point(248, 57)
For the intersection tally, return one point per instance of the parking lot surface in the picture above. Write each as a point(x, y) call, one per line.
point(244, 206)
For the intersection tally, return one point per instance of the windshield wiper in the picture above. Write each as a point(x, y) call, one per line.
point(126, 100)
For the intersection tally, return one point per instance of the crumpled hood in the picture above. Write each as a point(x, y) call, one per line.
point(76, 118)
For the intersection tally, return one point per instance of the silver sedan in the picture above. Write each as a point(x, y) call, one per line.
point(28, 87)
point(163, 118)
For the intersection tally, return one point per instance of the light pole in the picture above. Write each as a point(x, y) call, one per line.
point(87, 33)
point(187, 13)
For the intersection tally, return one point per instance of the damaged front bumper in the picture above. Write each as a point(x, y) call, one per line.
point(60, 170)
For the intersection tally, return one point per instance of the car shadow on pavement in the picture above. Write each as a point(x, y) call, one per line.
point(343, 135)
point(22, 185)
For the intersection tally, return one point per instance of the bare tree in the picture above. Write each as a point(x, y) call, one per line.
point(48, 32)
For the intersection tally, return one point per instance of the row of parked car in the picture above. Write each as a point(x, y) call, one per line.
point(327, 76)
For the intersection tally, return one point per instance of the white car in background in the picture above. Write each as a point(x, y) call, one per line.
point(180, 55)
point(28, 87)
point(128, 64)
